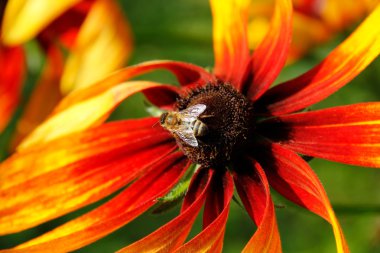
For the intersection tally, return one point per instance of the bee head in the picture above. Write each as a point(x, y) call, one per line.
point(163, 118)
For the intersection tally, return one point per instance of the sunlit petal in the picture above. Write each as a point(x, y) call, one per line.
point(94, 164)
point(24, 19)
point(253, 189)
point(186, 73)
point(211, 237)
point(291, 176)
point(346, 134)
point(120, 210)
point(173, 234)
point(270, 56)
point(230, 39)
point(103, 44)
point(340, 67)
point(85, 114)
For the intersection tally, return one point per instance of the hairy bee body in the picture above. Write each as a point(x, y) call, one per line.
point(185, 124)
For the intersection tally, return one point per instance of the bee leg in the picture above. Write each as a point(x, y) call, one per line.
point(206, 116)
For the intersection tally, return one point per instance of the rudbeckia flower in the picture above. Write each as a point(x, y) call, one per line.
point(255, 136)
point(76, 37)
point(314, 21)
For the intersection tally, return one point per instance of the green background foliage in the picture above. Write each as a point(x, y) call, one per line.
point(181, 30)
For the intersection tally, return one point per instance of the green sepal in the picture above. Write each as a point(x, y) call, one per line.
point(152, 110)
point(177, 193)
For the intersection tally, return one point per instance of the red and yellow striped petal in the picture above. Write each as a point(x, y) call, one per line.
point(126, 206)
point(12, 64)
point(104, 43)
point(172, 235)
point(211, 238)
point(80, 169)
point(347, 134)
point(253, 188)
point(291, 176)
point(339, 68)
point(270, 56)
point(90, 106)
point(24, 19)
point(187, 74)
point(85, 114)
point(231, 50)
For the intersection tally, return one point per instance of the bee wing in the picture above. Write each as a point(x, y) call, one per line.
point(187, 135)
point(191, 113)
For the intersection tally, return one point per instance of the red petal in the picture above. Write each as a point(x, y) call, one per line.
point(270, 56)
point(12, 64)
point(347, 134)
point(253, 189)
point(211, 238)
point(80, 169)
point(339, 68)
point(105, 219)
point(230, 39)
point(186, 74)
point(291, 176)
point(88, 113)
point(170, 236)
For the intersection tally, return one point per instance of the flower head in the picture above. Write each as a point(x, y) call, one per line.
point(254, 134)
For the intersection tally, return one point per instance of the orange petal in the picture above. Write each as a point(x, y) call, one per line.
point(170, 236)
point(24, 19)
point(186, 73)
point(120, 210)
point(270, 56)
point(253, 189)
point(94, 165)
point(346, 134)
point(340, 67)
point(291, 176)
point(211, 237)
point(12, 64)
point(90, 106)
point(103, 44)
point(230, 39)
point(85, 114)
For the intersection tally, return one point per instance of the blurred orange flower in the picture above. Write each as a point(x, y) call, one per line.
point(77, 37)
point(314, 21)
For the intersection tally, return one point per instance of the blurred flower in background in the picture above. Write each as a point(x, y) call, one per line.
point(74, 159)
point(82, 42)
point(314, 21)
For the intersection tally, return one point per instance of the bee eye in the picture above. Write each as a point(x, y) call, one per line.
point(163, 117)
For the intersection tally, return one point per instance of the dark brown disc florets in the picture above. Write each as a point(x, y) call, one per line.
point(228, 117)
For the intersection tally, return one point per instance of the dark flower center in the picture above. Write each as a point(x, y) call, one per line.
point(228, 117)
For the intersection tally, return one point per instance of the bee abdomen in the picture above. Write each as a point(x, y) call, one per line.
point(200, 129)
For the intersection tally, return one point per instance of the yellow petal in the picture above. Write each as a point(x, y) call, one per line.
point(24, 19)
point(84, 114)
point(230, 39)
point(103, 44)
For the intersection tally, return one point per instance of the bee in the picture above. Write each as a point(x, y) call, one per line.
point(185, 124)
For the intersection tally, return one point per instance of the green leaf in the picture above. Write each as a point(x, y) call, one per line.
point(176, 194)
